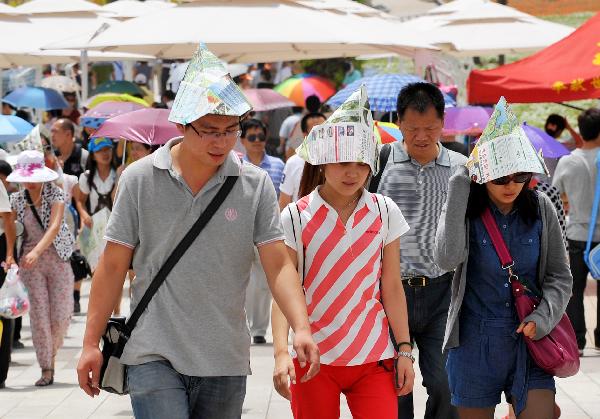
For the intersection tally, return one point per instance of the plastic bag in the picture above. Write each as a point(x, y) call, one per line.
point(14, 301)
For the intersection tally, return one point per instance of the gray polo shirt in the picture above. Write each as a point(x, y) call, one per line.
point(420, 192)
point(575, 176)
point(196, 320)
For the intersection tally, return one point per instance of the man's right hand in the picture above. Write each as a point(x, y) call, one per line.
point(284, 368)
point(307, 351)
point(88, 370)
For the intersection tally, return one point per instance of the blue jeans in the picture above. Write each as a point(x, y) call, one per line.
point(158, 391)
point(427, 315)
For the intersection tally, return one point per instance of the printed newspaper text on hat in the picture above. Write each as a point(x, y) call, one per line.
point(346, 136)
point(207, 88)
point(503, 148)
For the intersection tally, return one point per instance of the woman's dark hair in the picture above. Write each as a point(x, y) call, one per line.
point(312, 176)
point(91, 167)
point(5, 168)
point(526, 203)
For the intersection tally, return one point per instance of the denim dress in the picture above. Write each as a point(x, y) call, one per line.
point(492, 358)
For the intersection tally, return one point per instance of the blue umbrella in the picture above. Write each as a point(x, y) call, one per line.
point(36, 98)
point(13, 128)
point(383, 91)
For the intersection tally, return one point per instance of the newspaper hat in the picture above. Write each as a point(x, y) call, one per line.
point(503, 148)
point(207, 88)
point(346, 136)
point(31, 168)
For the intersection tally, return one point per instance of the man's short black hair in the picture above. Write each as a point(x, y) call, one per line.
point(419, 97)
point(253, 123)
point(67, 125)
point(305, 118)
point(5, 168)
point(589, 124)
point(556, 119)
point(313, 103)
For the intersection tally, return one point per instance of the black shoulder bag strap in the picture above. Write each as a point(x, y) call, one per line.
point(33, 210)
point(179, 251)
point(384, 155)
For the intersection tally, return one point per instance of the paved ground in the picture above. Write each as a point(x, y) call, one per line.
point(579, 396)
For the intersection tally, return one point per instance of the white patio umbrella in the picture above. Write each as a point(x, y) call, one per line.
point(477, 27)
point(35, 7)
point(127, 9)
point(288, 32)
point(29, 34)
point(5, 9)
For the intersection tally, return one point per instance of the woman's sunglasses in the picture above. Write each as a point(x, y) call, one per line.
point(517, 178)
point(256, 137)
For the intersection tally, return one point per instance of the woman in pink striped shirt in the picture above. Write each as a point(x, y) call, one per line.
point(346, 242)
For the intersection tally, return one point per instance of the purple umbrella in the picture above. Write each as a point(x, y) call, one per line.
point(466, 120)
point(551, 148)
point(106, 110)
point(148, 126)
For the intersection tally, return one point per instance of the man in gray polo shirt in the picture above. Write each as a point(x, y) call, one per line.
point(416, 178)
point(188, 356)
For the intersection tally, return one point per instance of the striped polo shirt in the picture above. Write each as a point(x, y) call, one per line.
point(342, 274)
point(420, 192)
point(274, 167)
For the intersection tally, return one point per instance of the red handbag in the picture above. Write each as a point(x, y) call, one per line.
point(555, 353)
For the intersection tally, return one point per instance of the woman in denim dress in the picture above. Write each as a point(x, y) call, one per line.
point(490, 357)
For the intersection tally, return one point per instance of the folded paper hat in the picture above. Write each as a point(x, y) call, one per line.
point(503, 148)
point(346, 136)
point(207, 88)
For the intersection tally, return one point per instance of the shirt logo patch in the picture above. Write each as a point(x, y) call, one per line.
point(231, 214)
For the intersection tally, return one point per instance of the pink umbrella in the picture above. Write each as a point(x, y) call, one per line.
point(96, 116)
point(466, 120)
point(267, 99)
point(148, 126)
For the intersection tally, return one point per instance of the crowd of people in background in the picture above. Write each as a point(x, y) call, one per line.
point(433, 211)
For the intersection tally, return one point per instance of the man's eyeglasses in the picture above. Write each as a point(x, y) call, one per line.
point(227, 135)
point(256, 137)
point(517, 178)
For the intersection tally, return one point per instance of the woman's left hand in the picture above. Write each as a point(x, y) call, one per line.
point(30, 260)
point(528, 329)
point(406, 376)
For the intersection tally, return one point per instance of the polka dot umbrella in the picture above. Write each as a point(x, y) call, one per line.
point(297, 88)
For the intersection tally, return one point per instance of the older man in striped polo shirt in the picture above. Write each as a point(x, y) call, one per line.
point(416, 178)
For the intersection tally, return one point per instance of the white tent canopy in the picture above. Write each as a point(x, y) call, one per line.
point(8, 10)
point(286, 32)
point(480, 27)
point(127, 9)
point(58, 7)
point(28, 34)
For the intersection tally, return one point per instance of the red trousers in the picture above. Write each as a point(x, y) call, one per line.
point(369, 390)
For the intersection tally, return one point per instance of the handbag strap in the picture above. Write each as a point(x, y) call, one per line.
point(506, 260)
point(497, 240)
point(594, 215)
point(179, 251)
point(33, 210)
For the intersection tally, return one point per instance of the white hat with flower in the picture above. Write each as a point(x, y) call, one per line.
point(31, 168)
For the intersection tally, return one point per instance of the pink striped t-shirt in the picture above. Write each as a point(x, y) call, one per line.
point(342, 271)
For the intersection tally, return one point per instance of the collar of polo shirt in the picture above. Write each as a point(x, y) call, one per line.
point(400, 155)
